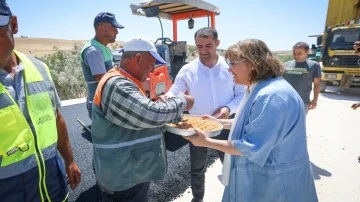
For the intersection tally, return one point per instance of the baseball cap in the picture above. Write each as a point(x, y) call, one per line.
point(107, 17)
point(138, 44)
point(5, 13)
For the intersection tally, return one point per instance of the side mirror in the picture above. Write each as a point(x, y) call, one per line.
point(152, 11)
point(191, 23)
point(319, 40)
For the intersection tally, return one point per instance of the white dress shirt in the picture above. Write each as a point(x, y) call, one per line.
point(211, 88)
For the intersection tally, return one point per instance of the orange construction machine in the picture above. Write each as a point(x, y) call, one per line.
point(172, 51)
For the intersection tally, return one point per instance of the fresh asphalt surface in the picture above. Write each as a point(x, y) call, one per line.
point(175, 183)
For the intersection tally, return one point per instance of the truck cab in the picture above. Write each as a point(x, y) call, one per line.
point(340, 65)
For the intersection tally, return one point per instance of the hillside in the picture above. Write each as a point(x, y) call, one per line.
point(42, 46)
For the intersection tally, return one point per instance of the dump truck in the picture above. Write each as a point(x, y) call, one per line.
point(172, 50)
point(340, 65)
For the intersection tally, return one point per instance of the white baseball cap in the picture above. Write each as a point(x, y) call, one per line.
point(138, 44)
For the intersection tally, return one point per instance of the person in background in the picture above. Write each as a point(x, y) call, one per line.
point(266, 153)
point(357, 52)
point(209, 81)
point(32, 127)
point(301, 73)
point(129, 151)
point(96, 57)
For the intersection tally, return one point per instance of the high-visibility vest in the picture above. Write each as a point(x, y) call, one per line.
point(23, 146)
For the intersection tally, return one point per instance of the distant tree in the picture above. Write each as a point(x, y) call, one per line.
point(66, 71)
point(284, 58)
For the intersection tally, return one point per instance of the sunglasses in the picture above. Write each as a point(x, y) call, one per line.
point(232, 63)
point(4, 20)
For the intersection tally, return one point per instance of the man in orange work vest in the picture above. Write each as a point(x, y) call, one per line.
point(127, 134)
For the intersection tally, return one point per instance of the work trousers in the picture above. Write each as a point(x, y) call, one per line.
point(198, 156)
point(137, 193)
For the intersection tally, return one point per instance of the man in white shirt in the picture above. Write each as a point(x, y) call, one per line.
point(208, 80)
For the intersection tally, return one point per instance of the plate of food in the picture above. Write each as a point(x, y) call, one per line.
point(210, 126)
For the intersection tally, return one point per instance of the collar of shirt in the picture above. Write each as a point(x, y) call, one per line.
point(13, 84)
point(218, 63)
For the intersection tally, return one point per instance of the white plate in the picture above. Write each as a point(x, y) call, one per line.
point(189, 132)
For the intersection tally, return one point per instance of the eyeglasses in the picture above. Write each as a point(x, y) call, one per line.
point(4, 20)
point(232, 63)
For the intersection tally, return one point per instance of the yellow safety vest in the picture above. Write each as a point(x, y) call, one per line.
point(21, 144)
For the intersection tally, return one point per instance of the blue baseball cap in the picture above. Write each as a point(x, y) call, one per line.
point(4, 8)
point(107, 17)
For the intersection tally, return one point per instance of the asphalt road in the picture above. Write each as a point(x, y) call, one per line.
point(173, 186)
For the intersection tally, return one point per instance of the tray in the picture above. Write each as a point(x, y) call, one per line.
point(188, 132)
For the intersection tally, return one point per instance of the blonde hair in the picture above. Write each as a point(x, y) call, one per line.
point(255, 51)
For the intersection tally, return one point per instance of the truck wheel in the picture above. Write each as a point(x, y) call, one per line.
point(323, 86)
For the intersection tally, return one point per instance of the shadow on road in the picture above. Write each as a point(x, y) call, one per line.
point(86, 134)
point(318, 172)
point(334, 92)
point(93, 194)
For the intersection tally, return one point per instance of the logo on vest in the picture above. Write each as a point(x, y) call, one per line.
point(24, 147)
point(44, 119)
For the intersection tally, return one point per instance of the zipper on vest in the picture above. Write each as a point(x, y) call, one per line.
point(41, 165)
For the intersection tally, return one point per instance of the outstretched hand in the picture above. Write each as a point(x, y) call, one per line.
point(355, 105)
point(199, 139)
point(221, 113)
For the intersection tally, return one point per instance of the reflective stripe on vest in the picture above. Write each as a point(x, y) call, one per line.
point(115, 72)
point(129, 143)
point(26, 164)
point(22, 147)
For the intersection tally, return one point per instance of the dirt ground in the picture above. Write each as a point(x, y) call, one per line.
point(41, 46)
point(333, 131)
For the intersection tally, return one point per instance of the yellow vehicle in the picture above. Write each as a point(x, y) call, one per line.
point(340, 65)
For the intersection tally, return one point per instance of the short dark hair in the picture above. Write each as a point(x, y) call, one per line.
point(301, 45)
point(264, 63)
point(206, 32)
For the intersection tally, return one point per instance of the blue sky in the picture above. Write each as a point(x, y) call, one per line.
point(279, 23)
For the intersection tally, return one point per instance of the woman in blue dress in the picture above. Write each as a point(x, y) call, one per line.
point(266, 153)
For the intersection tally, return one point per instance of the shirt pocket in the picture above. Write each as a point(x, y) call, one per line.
point(148, 164)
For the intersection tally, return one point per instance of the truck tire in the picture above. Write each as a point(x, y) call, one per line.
point(323, 85)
